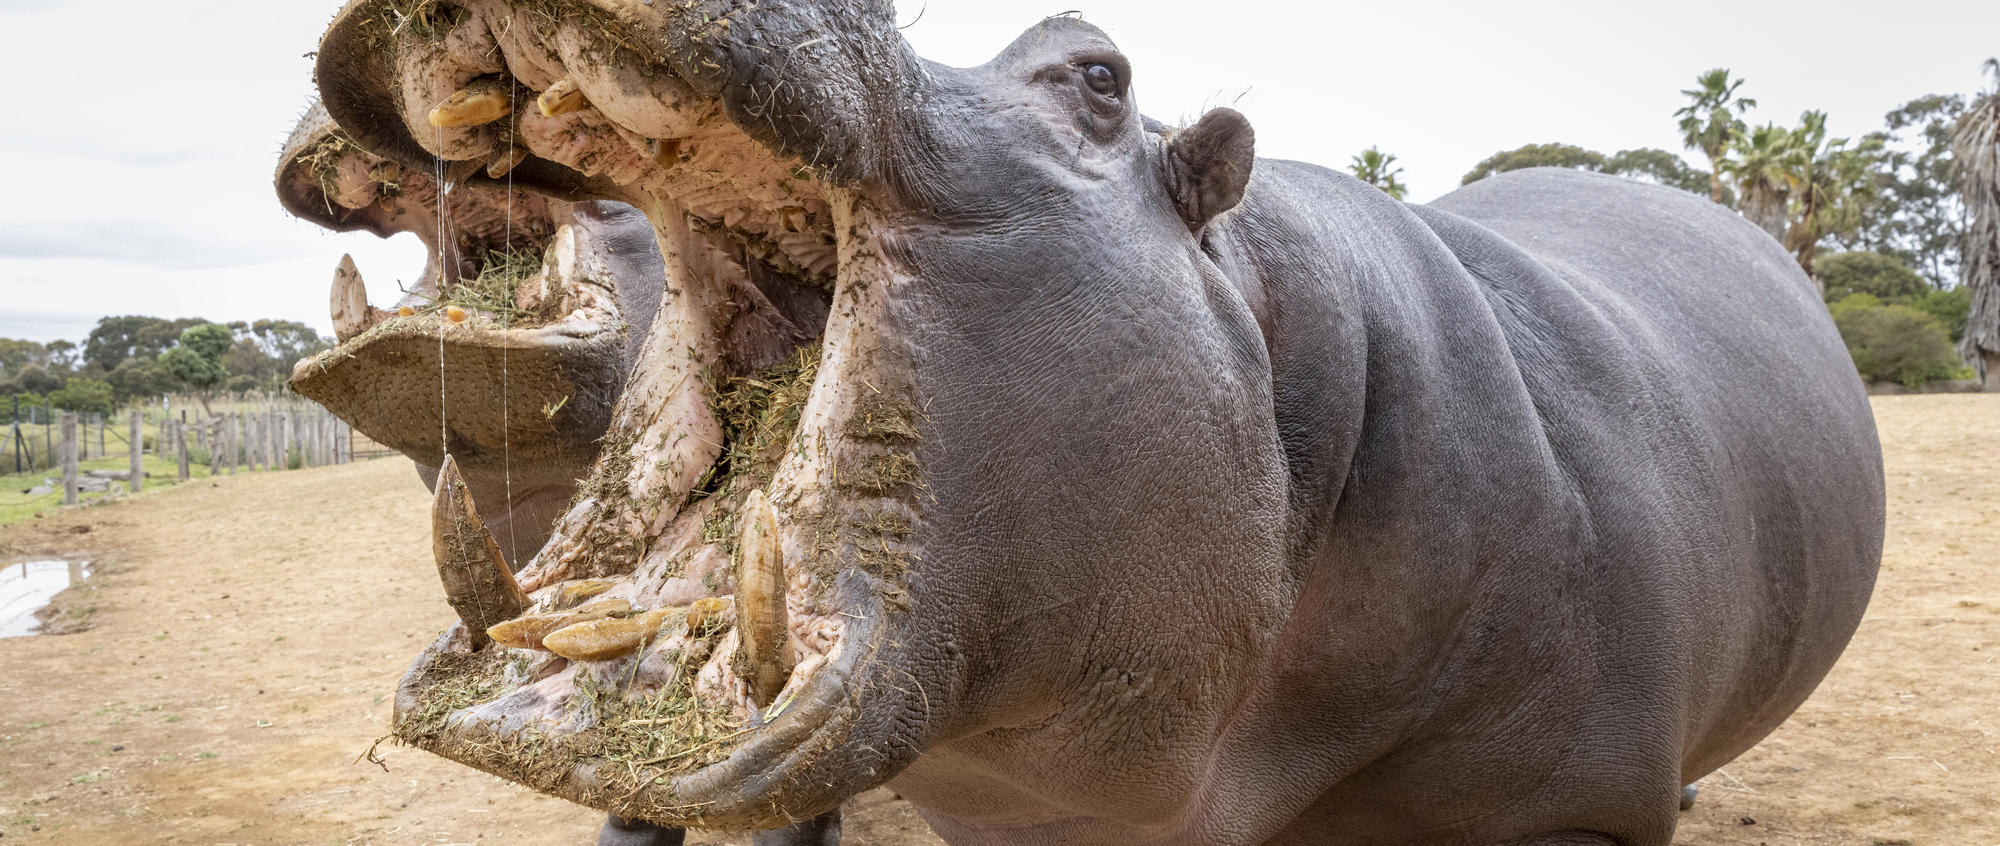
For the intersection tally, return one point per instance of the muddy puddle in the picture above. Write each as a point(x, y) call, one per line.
point(27, 587)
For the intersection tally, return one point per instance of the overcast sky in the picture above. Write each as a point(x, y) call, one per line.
point(141, 136)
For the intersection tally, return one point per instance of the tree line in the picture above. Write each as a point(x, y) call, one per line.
point(132, 357)
point(1900, 227)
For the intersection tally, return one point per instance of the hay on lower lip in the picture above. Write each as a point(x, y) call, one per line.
point(635, 740)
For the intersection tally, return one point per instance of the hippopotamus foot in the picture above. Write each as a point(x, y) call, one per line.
point(618, 831)
point(823, 830)
point(1687, 797)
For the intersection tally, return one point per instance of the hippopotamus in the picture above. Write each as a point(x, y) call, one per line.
point(1088, 479)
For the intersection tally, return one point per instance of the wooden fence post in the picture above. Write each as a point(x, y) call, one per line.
point(230, 423)
point(213, 426)
point(69, 445)
point(181, 450)
point(138, 450)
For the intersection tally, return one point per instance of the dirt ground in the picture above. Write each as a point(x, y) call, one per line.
point(240, 640)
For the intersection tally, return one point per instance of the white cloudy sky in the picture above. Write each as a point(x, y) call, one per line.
point(140, 136)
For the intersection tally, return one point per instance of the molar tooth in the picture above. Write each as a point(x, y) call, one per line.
point(612, 637)
point(477, 581)
point(562, 98)
point(385, 171)
point(528, 630)
point(765, 658)
point(480, 102)
point(350, 300)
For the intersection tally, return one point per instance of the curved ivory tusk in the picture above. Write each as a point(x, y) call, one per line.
point(476, 579)
point(765, 657)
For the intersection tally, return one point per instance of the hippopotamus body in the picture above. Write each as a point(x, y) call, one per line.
point(1144, 491)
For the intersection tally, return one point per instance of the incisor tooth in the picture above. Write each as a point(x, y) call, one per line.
point(481, 101)
point(562, 98)
point(765, 659)
point(349, 301)
point(576, 592)
point(707, 612)
point(614, 637)
point(477, 581)
point(505, 161)
point(528, 630)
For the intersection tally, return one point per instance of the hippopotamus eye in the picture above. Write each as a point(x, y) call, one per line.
point(1101, 78)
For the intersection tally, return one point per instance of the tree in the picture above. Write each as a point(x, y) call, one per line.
point(138, 378)
point(1651, 164)
point(84, 395)
point(35, 379)
point(1764, 164)
point(1975, 144)
point(115, 339)
point(197, 360)
point(1882, 276)
point(1711, 122)
point(1916, 215)
point(1372, 167)
point(288, 342)
point(16, 354)
point(1831, 182)
point(1535, 155)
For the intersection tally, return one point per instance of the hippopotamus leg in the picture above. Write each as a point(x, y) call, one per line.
point(823, 830)
point(618, 831)
point(1687, 797)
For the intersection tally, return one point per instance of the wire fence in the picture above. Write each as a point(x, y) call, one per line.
point(246, 433)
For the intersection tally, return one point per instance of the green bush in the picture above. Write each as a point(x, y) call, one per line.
point(1894, 343)
point(1951, 307)
point(1847, 274)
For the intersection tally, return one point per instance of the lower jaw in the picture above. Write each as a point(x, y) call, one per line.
point(649, 736)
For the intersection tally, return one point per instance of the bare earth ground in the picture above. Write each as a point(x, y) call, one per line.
point(242, 638)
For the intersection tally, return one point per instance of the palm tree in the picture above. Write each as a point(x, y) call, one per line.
point(1831, 183)
point(1712, 122)
point(1975, 150)
point(1763, 163)
point(1372, 167)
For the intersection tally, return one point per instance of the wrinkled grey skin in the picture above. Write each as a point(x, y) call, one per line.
point(1283, 512)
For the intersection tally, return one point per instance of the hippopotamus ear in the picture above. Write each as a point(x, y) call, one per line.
point(1208, 165)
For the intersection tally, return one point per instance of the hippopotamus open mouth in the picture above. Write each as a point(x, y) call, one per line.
point(526, 298)
point(701, 626)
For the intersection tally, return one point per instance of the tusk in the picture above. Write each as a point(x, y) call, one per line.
point(528, 630)
point(765, 659)
point(613, 637)
point(480, 102)
point(504, 163)
point(576, 592)
point(476, 579)
point(350, 301)
point(562, 98)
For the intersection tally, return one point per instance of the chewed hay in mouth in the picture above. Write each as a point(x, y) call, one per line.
point(627, 742)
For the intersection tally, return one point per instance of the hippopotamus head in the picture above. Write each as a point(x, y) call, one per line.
point(545, 288)
point(950, 444)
